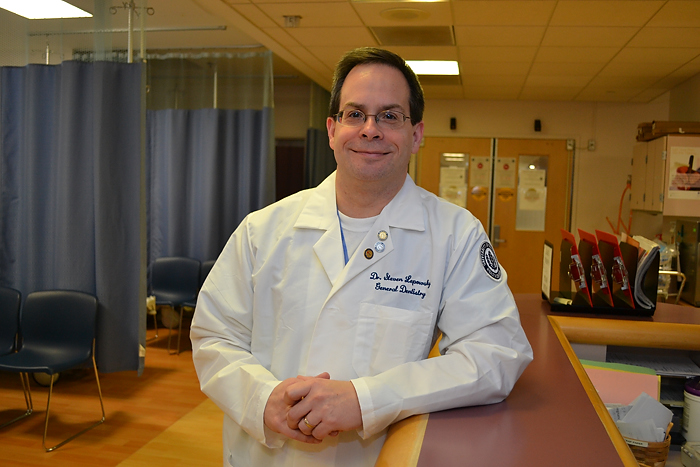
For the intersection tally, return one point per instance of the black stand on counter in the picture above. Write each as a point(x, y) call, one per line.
point(586, 297)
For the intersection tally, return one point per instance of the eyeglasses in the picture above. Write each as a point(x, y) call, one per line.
point(387, 119)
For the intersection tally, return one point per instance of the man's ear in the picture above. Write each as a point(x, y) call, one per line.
point(330, 126)
point(417, 137)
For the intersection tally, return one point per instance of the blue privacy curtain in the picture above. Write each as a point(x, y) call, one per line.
point(210, 149)
point(70, 183)
point(319, 160)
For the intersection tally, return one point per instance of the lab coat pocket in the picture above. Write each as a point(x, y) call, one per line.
point(387, 337)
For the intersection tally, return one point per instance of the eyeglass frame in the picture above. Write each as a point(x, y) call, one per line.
point(338, 118)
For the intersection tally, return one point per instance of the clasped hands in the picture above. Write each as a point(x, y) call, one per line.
point(310, 408)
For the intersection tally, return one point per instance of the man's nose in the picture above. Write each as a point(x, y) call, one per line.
point(370, 129)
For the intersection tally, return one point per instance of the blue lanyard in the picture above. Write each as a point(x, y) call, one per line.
point(342, 237)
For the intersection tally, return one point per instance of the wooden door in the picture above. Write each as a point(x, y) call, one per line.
point(521, 218)
point(429, 165)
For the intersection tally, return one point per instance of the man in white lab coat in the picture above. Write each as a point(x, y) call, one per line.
point(312, 330)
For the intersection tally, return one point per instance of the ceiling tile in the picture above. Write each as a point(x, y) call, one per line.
point(678, 56)
point(641, 82)
point(492, 80)
point(499, 35)
point(494, 68)
point(413, 35)
point(255, 15)
point(345, 37)
point(389, 14)
point(426, 53)
point(676, 14)
point(612, 94)
point(689, 69)
point(303, 54)
point(553, 81)
point(502, 12)
point(648, 95)
point(291, 1)
point(670, 81)
point(604, 12)
point(329, 56)
point(576, 55)
point(588, 36)
point(491, 92)
point(537, 93)
point(650, 69)
point(281, 36)
point(497, 54)
point(667, 37)
point(566, 69)
point(313, 15)
point(614, 50)
point(443, 92)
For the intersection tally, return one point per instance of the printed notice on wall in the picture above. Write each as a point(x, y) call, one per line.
point(532, 194)
point(532, 200)
point(683, 174)
point(480, 171)
point(504, 175)
point(453, 185)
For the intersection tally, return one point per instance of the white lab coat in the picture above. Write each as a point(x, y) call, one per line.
point(280, 302)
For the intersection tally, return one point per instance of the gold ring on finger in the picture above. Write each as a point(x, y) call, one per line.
point(306, 422)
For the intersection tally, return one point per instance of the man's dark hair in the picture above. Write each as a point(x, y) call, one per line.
point(372, 55)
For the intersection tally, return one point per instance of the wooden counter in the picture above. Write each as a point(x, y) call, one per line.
point(553, 417)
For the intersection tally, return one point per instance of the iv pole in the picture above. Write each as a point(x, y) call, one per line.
point(132, 10)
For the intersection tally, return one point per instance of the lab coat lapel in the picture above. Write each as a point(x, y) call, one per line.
point(320, 213)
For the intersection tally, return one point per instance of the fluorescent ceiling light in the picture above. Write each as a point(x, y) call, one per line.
point(434, 67)
point(43, 9)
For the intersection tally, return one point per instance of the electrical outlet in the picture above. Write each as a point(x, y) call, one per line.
point(591, 145)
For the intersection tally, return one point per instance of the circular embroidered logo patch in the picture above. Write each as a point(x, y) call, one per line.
point(490, 262)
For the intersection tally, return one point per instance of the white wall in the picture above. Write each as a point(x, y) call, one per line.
point(291, 111)
point(685, 101)
point(13, 44)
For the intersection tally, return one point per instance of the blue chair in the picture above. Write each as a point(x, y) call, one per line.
point(10, 300)
point(57, 331)
point(174, 282)
point(203, 273)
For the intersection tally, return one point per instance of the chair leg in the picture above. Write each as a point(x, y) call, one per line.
point(155, 323)
point(170, 332)
point(24, 378)
point(48, 406)
point(179, 334)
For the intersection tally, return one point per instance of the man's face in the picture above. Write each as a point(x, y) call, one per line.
point(370, 152)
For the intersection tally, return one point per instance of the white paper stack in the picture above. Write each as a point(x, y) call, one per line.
point(651, 251)
point(645, 419)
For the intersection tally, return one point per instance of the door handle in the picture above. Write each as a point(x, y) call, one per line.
point(496, 236)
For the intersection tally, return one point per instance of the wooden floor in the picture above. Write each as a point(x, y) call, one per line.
point(148, 418)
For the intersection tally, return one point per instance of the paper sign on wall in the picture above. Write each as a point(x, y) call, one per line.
point(480, 171)
point(532, 193)
point(683, 176)
point(504, 176)
point(453, 185)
